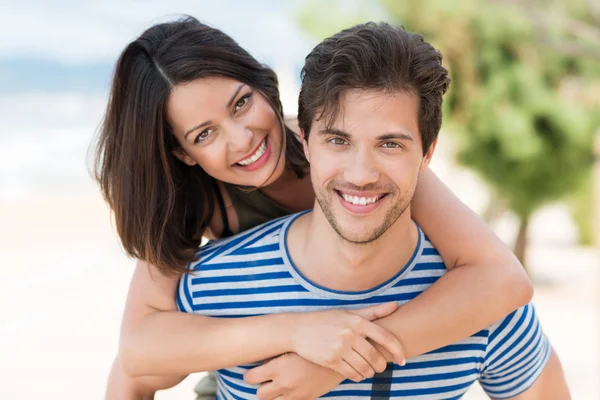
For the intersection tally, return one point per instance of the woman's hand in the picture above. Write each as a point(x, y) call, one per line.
point(339, 340)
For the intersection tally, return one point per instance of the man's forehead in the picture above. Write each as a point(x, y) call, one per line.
point(371, 112)
point(358, 96)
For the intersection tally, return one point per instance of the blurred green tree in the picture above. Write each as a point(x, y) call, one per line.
point(526, 78)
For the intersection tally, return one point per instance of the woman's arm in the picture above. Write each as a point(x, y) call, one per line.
point(123, 387)
point(156, 339)
point(485, 281)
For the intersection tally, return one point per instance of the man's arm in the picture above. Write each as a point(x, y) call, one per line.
point(519, 362)
point(551, 385)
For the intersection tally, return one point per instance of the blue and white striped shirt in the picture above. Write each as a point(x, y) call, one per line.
point(252, 274)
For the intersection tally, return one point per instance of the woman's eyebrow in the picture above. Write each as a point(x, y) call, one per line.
point(237, 91)
point(229, 103)
point(196, 127)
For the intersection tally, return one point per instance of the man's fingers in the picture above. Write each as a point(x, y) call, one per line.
point(386, 340)
point(367, 351)
point(268, 391)
point(259, 374)
point(377, 311)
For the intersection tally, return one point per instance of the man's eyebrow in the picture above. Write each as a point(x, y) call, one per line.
point(396, 135)
point(229, 104)
point(334, 131)
point(385, 136)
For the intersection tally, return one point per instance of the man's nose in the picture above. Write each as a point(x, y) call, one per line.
point(361, 168)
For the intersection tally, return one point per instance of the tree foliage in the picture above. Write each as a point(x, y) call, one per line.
point(525, 94)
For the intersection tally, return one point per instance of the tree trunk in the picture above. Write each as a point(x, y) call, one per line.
point(521, 243)
point(494, 210)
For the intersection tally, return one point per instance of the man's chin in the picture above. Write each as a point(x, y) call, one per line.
point(359, 241)
point(359, 235)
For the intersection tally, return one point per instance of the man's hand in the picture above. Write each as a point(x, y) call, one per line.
point(291, 377)
point(337, 339)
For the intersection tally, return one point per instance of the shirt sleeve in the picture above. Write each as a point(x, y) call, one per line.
point(516, 354)
point(183, 298)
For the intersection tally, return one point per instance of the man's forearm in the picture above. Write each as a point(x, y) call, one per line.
point(551, 385)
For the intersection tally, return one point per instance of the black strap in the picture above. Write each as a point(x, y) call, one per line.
point(221, 202)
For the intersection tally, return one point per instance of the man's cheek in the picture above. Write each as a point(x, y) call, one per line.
point(327, 168)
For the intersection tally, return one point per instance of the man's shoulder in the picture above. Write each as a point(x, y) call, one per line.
point(425, 266)
point(514, 326)
point(260, 239)
point(516, 354)
point(426, 250)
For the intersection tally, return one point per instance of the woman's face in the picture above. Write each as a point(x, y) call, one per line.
point(229, 129)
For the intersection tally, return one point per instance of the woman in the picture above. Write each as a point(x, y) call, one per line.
point(193, 117)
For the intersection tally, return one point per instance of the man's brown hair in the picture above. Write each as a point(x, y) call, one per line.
point(373, 56)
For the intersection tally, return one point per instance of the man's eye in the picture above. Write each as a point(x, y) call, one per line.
point(202, 136)
point(337, 141)
point(391, 145)
point(243, 101)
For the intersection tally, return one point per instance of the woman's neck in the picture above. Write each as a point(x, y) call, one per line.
point(295, 194)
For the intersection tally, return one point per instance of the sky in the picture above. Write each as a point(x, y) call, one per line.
point(56, 61)
point(70, 45)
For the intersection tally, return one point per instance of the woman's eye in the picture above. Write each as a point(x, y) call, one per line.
point(337, 141)
point(202, 136)
point(243, 101)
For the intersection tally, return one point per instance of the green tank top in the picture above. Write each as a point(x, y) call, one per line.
point(254, 208)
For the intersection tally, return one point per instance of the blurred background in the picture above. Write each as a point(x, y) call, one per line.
point(517, 146)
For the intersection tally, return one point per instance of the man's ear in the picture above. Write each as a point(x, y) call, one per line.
point(292, 123)
point(304, 144)
point(427, 157)
point(184, 157)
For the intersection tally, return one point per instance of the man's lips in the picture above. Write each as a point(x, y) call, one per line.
point(360, 198)
point(361, 193)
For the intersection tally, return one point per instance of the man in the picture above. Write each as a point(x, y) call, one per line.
point(370, 113)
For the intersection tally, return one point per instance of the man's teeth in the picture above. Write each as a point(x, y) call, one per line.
point(257, 154)
point(362, 201)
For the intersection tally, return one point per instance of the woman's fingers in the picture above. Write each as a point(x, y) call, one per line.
point(268, 391)
point(359, 364)
point(346, 370)
point(367, 351)
point(385, 339)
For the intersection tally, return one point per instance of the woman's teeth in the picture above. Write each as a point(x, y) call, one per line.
point(257, 154)
point(362, 201)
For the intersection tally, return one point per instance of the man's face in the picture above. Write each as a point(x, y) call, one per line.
point(364, 169)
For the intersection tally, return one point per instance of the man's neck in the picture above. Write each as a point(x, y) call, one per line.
point(332, 262)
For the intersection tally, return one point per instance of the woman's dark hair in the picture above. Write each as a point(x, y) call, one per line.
point(161, 205)
point(373, 56)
